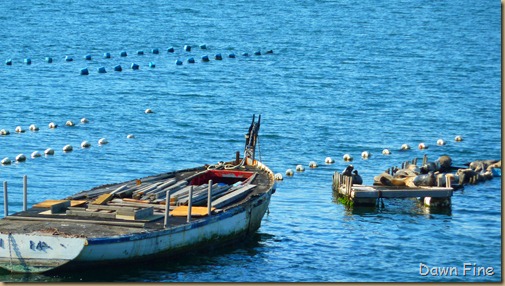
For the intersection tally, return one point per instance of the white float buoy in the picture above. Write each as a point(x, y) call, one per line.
point(19, 129)
point(422, 146)
point(6, 161)
point(21, 158)
point(85, 144)
point(347, 157)
point(130, 136)
point(84, 120)
point(300, 168)
point(312, 164)
point(289, 172)
point(68, 148)
point(405, 147)
point(148, 111)
point(440, 142)
point(458, 138)
point(52, 125)
point(329, 160)
point(49, 151)
point(33, 127)
point(4, 132)
point(35, 154)
point(386, 152)
point(69, 123)
point(365, 154)
point(102, 141)
point(278, 177)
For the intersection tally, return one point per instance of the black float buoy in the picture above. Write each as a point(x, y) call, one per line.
point(8, 62)
point(28, 61)
point(231, 56)
point(68, 59)
point(191, 60)
point(218, 57)
point(205, 58)
point(118, 68)
point(48, 60)
point(102, 70)
point(124, 54)
point(170, 50)
point(178, 62)
point(134, 66)
point(87, 57)
point(152, 65)
point(106, 55)
point(203, 47)
point(155, 51)
point(187, 48)
point(140, 53)
point(84, 71)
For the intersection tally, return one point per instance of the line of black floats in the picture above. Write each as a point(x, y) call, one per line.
point(431, 174)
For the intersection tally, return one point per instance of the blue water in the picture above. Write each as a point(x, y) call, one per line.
point(344, 77)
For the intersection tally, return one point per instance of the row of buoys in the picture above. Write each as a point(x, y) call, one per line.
point(50, 151)
point(178, 62)
point(156, 51)
point(364, 155)
point(35, 128)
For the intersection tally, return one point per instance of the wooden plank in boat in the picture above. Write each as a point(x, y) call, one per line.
point(90, 214)
point(135, 214)
point(195, 211)
point(233, 196)
point(55, 206)
point(103, 199)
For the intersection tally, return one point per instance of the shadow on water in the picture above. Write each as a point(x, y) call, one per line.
point(157, 269)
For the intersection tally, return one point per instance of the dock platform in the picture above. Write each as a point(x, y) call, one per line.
point(369, 195)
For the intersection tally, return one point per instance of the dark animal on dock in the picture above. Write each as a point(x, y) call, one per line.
point(356, 178)
point(442, 164)
point(348, 170)
point(481, 165)
point(427, 180)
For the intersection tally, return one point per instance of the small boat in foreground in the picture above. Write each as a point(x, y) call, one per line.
point(159, 215)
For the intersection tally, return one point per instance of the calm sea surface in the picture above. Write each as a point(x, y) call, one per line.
point(344, 77)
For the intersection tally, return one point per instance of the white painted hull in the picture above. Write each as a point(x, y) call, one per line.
point(35, 253)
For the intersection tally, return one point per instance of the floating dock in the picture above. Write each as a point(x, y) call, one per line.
point(370, 195)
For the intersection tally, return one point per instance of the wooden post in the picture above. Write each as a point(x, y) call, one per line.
point(209, 198)
point(448, 180)
point(6, 203)
point(425, 159)
point(25, 192)
point(237, 157)
point(190, 202)
point(167, 208)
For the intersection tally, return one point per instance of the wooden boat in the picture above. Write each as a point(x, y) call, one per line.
point(159, 215)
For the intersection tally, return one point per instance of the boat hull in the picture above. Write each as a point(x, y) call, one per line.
point(54, 252)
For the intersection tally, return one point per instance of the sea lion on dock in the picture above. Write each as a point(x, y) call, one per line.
point(425, 179)
point(480, 165)
point(356, 178)
point(348, 170)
